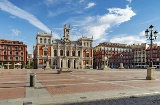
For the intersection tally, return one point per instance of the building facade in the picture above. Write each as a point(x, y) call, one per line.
point(155, 55)
point(63, 53)
point(116, 53)
point(13, 54)
point(140, 55)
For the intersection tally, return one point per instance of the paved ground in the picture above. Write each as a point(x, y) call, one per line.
point(109, 87)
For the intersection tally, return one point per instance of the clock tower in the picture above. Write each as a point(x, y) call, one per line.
point(66, 33)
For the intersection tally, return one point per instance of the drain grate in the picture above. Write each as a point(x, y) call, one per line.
point(83, 97)
point(27, 103)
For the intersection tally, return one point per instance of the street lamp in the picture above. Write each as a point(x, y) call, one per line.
point(151, 38)
point(121, 55)
point(121, 64)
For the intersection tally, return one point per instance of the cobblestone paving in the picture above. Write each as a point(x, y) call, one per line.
point(94, 80)
point(145, 100)
point(12, 84)
point(82, 88)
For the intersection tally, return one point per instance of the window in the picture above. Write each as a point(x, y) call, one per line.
point(67, 53)
point(87, 54)
point(10, 52)
point(11, 58)
point(21, 58)
point(73, 53)
point(61, 52)
point(49, 41)
point(86, 62)
point(10, 47)
point(16, 47)
point(55, 62)
point(21, 48)
point(5, 57)
point(21, 53)
point(87, 43)
point(16, 53)
point(5, 53)
point(91, 44)
point(45, 52)
point(45, 40)
point(79, 53)
point(5, 47)
point(84, 44)
point(16, 58)
point(55, 52)
point(44, 61)
point(40, 40)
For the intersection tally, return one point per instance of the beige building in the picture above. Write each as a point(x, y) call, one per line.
point(63, 53)
point(139, 59)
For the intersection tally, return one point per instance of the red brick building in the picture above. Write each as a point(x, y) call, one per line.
point(155, 55)
point(13, 54)
point(115, 53)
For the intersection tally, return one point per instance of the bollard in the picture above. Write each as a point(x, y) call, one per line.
point(32, 80)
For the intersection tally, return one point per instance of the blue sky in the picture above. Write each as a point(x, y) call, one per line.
point(118, 21)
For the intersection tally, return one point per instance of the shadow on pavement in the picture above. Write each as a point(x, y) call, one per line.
point(132, 100)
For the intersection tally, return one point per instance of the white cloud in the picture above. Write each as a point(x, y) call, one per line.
point(128, 40)
point(12, 17)
point(81, 1)
point(90, 5)
point(53, 2)
point(5, 5)
point(15, 32)
point(97, 26)
point(142, 33)
point(50, 2)
point(130, 1)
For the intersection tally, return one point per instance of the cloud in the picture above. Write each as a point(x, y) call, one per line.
point(128, 40)
point(12, 17)
point(15, 32)
point(130, 1)
point(81, 1)
point(90, 5)
point(53, 2)
point(98, 25)
point(142, 33)
point(57, 28)
point(69, 7)
point(6, 6)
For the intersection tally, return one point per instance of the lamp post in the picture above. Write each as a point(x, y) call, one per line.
point(105, 60)
point(151, 37)
point(121, 63)
point(47, 60)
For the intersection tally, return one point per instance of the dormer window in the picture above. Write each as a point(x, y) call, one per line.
point(40, 40)
point(49, 41)
point(61, 52)
point(45, 40)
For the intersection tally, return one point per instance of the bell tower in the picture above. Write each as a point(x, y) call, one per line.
point(66, 33)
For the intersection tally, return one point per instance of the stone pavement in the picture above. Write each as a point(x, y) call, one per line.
point(74, 87)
